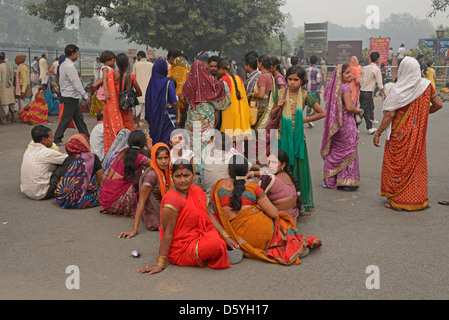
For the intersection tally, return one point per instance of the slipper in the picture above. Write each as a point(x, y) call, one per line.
point(305, 214)
point(389, 206)
point(444, 202)
point(235, 256)
point(305, 252)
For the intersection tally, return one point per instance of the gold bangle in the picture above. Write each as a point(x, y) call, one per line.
point(224, 235)
point(161, 261)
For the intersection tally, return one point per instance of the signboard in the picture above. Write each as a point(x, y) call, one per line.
point(380, 45)
point(340, 52)
point(315, 39)
point(432, 43)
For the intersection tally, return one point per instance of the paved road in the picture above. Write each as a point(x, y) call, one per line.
point(39, 241)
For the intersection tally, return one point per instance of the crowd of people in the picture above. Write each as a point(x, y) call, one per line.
point(200, 175)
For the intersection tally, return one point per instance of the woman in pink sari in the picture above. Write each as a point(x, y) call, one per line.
point(356, 74)
point(340, 136)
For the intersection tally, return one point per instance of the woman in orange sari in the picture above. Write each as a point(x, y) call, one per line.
point(189, 233)
point(356, 73)
point(115, 119)
point(262, 231)
point(36, 111)
point(406, 114)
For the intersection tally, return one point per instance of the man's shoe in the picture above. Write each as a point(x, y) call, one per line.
point(372, 130)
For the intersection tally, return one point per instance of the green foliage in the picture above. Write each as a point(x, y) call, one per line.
point(438, 6)
point(230, 27)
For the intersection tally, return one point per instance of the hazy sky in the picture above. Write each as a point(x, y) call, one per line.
point(351, 13)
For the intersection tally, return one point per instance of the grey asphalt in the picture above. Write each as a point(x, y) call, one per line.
point(39, 241)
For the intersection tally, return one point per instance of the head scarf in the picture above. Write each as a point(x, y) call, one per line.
point(165, 181)
point(356, 70)
point(77, 144)
point(20, 59)
point(408, 88)
point(120, 142)
point(201, 86)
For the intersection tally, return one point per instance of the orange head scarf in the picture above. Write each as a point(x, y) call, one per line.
point(77, 144)
point(356, 70)
point(165, 181)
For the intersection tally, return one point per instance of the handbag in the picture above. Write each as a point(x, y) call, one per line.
point(127, 98)
point(254, 110)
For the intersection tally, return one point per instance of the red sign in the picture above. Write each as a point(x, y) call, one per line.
point(380, 45)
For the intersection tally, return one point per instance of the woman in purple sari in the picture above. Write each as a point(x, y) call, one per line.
point(340, 136)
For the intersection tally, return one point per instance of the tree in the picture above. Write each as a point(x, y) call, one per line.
point(438, 6)
point(230, 27)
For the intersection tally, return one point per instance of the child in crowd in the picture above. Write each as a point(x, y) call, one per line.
point(108, 59)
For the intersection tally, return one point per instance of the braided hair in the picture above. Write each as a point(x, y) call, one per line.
point(283, 158)
point(238, 167)
point(224, 64)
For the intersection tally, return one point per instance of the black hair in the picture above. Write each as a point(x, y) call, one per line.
point(161, 149)
point(425, 70)
point(43, 55)
point(141, 54)
point(174, 81)
point(276, 63)
point(100, 115)
point(374, 56)
point(294, 60)
point(107, 56)
point(174, 53)
point(222, 141)
point(214, 59)
point(238, 167)
point(252, 54)
point(283, 158)
point(70, 50)
point(313, 59)
point(185, 165)
point(251, 61)
point(344, 68)
point(136, 142)
point(224, 64)
point(300, 72)
point(419, 56)
point(265, 61)
point(122, 62)
point(38, 133)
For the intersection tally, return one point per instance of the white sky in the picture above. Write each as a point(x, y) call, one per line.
point(351, 13)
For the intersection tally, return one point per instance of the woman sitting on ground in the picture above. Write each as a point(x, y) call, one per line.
point(247, 215)
point(190, 235)
point(118, 192)
point(81, 176)
point(280, 185)
point(153, 185)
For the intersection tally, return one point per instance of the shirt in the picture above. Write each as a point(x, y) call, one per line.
point(314, 77)
point(39, 162)
point(401, 52)
point(371, 75)
point(69, 81)
point(97, 140)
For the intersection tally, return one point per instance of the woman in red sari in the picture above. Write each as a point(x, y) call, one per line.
point(115, 119)
point(189, 233)
point(406, 113)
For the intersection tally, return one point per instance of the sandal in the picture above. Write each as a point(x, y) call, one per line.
point(444, 202)
point(389, 206)
point(235, 256)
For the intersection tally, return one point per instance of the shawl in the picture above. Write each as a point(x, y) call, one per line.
point(409, 87)
point(356, 70)
point(201, 86)
point(120, 142)
point(334, 110)
point(18, 86)
point(165, 181)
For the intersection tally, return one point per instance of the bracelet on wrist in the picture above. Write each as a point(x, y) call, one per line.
point(161, 261)
point(378, 134)
point(224, 235)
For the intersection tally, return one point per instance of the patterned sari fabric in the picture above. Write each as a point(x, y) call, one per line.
point(259, 236)
point(179, 71)
point(117, 194)
point(114, 119)
point(340, 137)
point(404, 170)
point(78, 188)
point(96, 105)
point(36, 111)
point(195, 241)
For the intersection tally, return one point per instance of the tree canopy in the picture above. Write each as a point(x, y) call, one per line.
point(227, 26)
point(438, 6)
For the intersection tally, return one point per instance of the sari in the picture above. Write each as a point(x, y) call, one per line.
point(265, 104)
point(114, 118)
point(78, 187)
point(236, 118)
point(52, 102)
point(159, 94)
point(404, 179)
point(195, 241)
point(204, 94)
point(118, 195)
point(96, 105)
point(292, 140)
point(120, 142)
point(259, 236)
point(356, 74)
point(340, 137)
point(179, 71)
point(36, 111)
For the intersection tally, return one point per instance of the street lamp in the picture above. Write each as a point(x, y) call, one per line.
point(282, 39)
point(440, 31)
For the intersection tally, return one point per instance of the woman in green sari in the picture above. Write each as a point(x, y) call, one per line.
point(293, 100)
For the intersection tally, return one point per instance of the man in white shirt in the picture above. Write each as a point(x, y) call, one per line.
point(97, 69)
point(401, 52)
point(72, 91)
point(371, 76)
point(43, 69)
point(97, 137)
point(142, 69)
point(38, 173)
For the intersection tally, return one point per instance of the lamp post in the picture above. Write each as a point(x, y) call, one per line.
point(281, 39)
point(440, 31)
